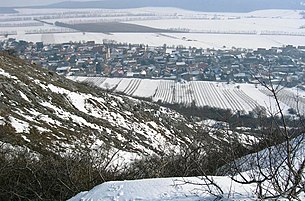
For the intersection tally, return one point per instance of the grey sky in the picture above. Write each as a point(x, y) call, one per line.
point(7, 3)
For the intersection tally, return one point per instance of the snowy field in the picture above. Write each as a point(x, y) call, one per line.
point(236, 97)
point(264, 28)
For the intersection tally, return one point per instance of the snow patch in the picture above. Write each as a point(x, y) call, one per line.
point(38, 82)
point(41, 129)
point(2, 122)
point(5, 74)
point(24, 96)
point(25, 138)
point(19, 125)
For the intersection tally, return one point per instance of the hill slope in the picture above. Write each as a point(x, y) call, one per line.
point(49, 113)
point(197, 5)
point(61, 135)
point(39, 106)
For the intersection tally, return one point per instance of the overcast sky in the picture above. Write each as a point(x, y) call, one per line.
point(7, 3)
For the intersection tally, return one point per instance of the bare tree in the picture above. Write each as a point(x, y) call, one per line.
point(279, 170)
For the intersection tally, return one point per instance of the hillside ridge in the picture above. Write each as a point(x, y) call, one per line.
point(196, 5)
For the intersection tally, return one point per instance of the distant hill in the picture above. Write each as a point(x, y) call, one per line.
point(5, 10)
point(196, 5)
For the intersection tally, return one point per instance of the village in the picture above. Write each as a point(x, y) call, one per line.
point(285, 65)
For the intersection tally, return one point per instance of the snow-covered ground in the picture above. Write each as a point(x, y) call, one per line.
point(237, 97)
point(201, 188)
point(207, 30)
point(179, 189)
point(217, 41)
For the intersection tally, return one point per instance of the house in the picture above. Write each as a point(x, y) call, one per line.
point(189, 76)
point(63, 70)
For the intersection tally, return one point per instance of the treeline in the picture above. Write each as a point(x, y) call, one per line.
point(22, 24)
point(257, 118)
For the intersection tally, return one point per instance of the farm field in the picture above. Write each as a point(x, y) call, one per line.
point(113, 27)
point(290, 98)
point(236, 97)
point(264, 28)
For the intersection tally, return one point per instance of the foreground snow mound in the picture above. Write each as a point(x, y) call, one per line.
point(207, 188)
point(180, 189)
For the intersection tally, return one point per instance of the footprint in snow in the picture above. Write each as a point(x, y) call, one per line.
point(114, 188)
point(165, 195)
point(121, 193)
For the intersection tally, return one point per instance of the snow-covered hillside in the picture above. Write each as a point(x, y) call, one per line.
point(65, 116)
point(50, 126)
